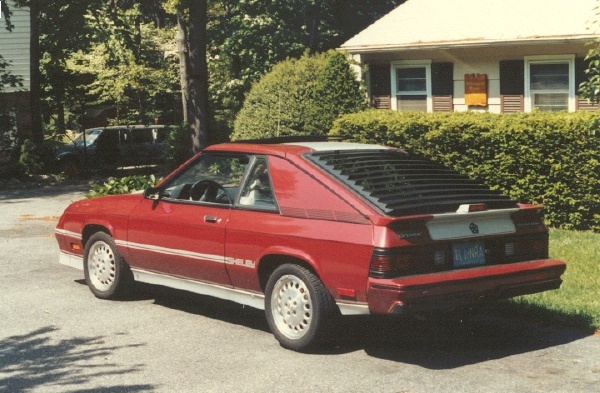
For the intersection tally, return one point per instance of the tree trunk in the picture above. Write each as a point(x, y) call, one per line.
point(37, 132)
point(314, 21)
point(183, 53)
point(198, 76)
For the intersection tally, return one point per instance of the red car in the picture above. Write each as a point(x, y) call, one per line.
point(311, 230)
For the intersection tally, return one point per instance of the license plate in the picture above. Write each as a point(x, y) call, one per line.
point(468, 254)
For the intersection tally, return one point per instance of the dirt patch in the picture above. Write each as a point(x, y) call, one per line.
point(31, 217)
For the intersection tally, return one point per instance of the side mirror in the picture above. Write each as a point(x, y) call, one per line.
point(153, 193)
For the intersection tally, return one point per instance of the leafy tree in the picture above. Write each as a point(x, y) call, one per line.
point(8, 139)
point(248, 37)
point(127, 67)
point(590, 89)
point(300, 97)
point(124, 53)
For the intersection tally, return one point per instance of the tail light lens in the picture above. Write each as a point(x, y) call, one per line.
point(408, 260)
point(403, 261)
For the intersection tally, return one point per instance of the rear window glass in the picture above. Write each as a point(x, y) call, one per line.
point(401, 184)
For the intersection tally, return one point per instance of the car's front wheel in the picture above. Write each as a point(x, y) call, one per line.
point(299, 309)
point(106, 272)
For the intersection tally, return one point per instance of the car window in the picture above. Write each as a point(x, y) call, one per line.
point(109, 137)
point(90, 137)
point(143, 135)
point(212, 179)
point(125, 136)
point(258, 191)
point(160, 135)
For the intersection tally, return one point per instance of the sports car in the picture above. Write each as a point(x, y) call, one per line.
point(313, 231)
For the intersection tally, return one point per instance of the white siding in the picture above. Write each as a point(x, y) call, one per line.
point(14, 46)
point(484, 65)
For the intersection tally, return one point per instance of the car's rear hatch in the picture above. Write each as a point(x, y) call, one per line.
point(398, 184)
point(439, 219)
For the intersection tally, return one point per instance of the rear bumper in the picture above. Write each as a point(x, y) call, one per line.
point(462, 288)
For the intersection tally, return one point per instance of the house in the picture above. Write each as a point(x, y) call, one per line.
point(14, 48)
point(482, 55)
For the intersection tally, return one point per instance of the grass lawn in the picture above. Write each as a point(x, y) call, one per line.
point(577, 302)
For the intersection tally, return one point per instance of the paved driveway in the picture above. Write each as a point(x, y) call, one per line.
point(56, 337)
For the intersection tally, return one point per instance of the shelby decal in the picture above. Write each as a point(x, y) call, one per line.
point(240, 262)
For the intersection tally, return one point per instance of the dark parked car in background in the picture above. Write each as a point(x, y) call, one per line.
point(116, 146)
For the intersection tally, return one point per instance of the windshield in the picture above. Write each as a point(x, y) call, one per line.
point(90, 137)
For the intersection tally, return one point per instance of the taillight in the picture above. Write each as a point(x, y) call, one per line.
point(381, 266)
point(403, 261)
point(438, 257)
point(528, 247)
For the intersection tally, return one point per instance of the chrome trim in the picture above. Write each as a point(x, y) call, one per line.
point(256, 300)
point(71, 260)
point(353, 308)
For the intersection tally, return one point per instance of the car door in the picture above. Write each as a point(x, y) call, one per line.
point(254, 226)
point(183, 232)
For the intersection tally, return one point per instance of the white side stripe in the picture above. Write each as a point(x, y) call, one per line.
point(187, 254)
point(171, 251)
point(64, 232)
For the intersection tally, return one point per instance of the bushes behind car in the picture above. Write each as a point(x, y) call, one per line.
point(551, 159)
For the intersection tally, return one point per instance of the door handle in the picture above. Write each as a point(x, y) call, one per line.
point(211, 219)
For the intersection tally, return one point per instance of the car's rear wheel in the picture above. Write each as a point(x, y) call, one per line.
point(106, 272)
point(299, 309)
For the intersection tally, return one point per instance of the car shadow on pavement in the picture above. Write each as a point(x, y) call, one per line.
point(39, 359)
point(437, 345)
point(446, 344)
point(206, 306)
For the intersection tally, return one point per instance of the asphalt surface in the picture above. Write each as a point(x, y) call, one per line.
point(55, 336)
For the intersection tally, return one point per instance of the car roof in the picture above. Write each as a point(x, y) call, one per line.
point(295, 148)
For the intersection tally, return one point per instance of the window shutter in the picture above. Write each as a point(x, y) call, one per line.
point(381, 85)
point(442, 86)
point(512, 85)
point(580, 67)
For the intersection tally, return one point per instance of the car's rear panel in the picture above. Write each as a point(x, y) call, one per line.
point(443, 240)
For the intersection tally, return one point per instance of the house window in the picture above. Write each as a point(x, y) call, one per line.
point(550, 83)
point(411, 86)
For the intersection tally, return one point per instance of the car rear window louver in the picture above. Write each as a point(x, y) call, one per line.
point(401, 184)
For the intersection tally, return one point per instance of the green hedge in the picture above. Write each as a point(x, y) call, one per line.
point(551, 159)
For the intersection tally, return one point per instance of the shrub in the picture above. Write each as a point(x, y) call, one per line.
point(179, 146)
point(278, 103)
point(337, 92)
point(544, 158)
point(30, 160)
point(300, 97)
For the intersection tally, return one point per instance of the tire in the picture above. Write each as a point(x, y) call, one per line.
point(106, 272)
point(300, 311)
point(70, 166)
